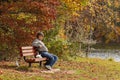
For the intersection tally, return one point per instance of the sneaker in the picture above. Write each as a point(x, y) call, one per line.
point(48, 67)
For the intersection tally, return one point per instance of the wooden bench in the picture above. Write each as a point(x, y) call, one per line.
point(29, 55)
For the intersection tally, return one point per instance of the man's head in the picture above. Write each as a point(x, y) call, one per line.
point(40, 35)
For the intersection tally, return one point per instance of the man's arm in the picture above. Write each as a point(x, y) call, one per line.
point(36, 44)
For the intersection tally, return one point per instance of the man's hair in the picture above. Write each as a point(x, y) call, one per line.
point(39, 34)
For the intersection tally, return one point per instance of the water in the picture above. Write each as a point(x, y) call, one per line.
point(103, 54)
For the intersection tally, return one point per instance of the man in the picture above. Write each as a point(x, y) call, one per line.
point(43, 50)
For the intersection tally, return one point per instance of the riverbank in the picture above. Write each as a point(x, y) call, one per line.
point(74, 69)
point(112, 46)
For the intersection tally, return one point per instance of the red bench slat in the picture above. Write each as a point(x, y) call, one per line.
point(26, 51)
point(28, 54)
point(40, 59)
point(27, 47)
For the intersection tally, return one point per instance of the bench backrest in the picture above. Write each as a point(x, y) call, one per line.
point(27, 51)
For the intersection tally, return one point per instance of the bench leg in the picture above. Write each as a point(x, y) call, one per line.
point(40, 63)
point(29, 64)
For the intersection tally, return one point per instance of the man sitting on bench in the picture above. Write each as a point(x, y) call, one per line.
point(43, 51)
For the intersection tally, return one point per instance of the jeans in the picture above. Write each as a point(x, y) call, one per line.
point(51, 58)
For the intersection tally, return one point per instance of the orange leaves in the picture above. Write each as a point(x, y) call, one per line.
point(34, 9)
point(25, 18)
point(118, 30)
point(1, 72)
point(36, 4)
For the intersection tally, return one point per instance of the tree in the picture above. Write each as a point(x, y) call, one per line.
point(99, 17)
point(21, 19)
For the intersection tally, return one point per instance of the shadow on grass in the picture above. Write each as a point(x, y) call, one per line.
point(5, 66)
point(12, 66)
point(22, 68)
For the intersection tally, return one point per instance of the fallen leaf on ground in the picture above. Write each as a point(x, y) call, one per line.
point(69, 72)
point(49, 71)
point(55, 70)
point(1, 72)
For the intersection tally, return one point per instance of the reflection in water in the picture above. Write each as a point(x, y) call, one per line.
point(113, 54)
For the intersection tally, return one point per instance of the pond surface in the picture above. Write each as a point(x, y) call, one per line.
point(105, 54)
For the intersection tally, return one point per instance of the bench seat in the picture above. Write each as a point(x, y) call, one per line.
point(29, 54)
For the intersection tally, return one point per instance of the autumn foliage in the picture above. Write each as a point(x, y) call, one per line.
point(21, 19)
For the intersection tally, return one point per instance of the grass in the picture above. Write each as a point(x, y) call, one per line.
point(74, 69)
